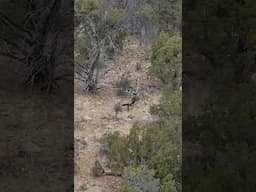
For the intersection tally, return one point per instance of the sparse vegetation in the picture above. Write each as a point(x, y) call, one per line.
point(97, 169)
point(154, 146)
point(98, 35)
point(138, 66)
point(122, 86)
point(127, 188)
point(117, 109)
point(83, 188)
point(148, 155)
point(139, 179)
point(166, 59)
point(148, 146)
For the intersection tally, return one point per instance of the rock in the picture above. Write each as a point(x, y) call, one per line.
point(80, 141)
point(130, 116)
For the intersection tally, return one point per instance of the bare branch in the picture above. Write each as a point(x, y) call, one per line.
point(15, 27)
point(80, 73)
point(14, 45)
point(6, 54)
point(79, 78)
point(112, 43)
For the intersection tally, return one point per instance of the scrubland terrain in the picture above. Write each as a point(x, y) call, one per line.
point(95, 116)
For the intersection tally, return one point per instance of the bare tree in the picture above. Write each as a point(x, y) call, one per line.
point(35, 42)
point(94, 38)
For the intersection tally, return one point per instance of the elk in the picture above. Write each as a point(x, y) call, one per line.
point(130, 100)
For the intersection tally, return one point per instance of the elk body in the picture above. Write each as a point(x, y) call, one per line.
point(129, 100)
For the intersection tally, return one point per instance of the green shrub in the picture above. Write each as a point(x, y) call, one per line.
point(97, 170)
point(138, 66)
point(156, 145)
point(126, 188)
point(147, 12)
point(114, 146)
point(166, 59)
point(122, 86)
point(140, 179)
point(117, 109)
point(168, 184)
point(114, 17)
point(87, 6)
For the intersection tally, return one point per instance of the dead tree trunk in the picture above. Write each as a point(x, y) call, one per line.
point(88, 70)
point(40, 66)
point(90, 83)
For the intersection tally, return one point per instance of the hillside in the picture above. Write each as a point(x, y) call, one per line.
point(94, 114)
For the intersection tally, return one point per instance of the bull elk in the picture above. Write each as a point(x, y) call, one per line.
point(130, 100)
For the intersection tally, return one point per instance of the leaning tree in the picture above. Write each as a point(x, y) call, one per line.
point(98, 34)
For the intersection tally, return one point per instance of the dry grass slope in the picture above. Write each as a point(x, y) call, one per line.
point(95, 116)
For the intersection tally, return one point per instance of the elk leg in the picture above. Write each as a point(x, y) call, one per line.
point(127, 107)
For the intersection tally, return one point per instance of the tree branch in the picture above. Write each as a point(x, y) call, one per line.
point(81, 73)
point(80, 78)
point(5, 54)
point(5, 20)
point(14, 45)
